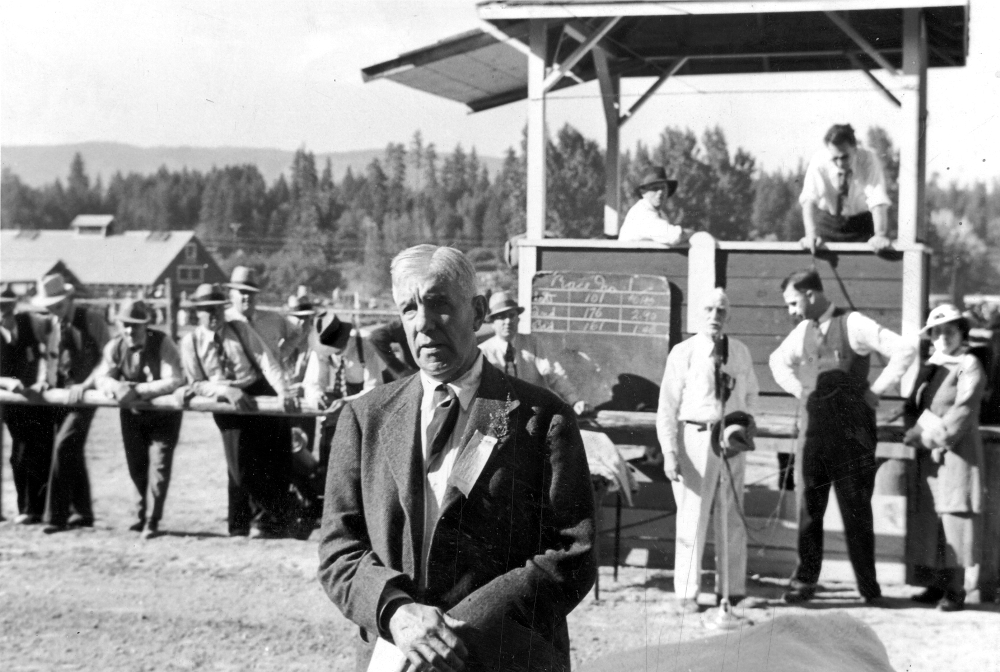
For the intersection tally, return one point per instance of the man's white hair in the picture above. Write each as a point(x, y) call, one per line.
point(717, 297)
point(424, 261)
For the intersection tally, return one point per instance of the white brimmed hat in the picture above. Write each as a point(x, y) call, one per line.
point(52, 289)
point(943, 314)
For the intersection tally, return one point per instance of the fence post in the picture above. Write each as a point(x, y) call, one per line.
point(168, 294)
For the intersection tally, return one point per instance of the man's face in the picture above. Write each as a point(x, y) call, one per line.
point(800, 304)
point(505, 325)
point(210, 317)
point(842, 155)
point(440, 322)
point(135, 334)
point(244, 302)
point(716, 315)
point(654, 196)
point(61, 309)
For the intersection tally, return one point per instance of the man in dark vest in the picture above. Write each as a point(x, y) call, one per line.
point(824, 363)
point(75, 341)
point(229, 361)
point(22, 370)
point(138, 365)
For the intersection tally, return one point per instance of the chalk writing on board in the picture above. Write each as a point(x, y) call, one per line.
point(602, 303)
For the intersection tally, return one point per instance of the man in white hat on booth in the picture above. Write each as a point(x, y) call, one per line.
point(140, 364)
point(74, 348)
point(707, 400)
point(645, 220)
point(521, 355)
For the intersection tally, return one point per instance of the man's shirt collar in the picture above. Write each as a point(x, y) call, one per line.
point(465, 387)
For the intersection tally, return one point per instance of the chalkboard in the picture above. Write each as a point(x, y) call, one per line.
point(610, 331)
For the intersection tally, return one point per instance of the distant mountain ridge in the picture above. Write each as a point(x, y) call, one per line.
point(38, 165)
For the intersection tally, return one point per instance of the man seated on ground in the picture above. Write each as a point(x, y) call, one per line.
point(228, 360)
point(844, 196)
point(709, 392)
point(645, 220)
point(521, 355)
point(343, 367)
point(140, 364)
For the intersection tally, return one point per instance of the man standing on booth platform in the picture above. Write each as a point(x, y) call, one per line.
point(824, 363)
point(708, 382)
point(844, 197)
point(459, 520)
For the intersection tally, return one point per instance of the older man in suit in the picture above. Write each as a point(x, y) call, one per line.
point(458, 521)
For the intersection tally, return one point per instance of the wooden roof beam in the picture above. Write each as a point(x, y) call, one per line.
point(859, 40)
point(585, 47)
point(874, 80)
point(652, 90)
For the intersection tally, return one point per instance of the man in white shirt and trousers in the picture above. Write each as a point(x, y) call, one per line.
point(709, 381)
point(824, 363)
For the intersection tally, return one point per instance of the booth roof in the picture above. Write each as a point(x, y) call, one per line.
point(488, 68)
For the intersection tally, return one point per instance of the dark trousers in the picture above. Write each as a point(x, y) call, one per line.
point(856, 229)
point(31, 434)
point(258, 453)
point(839, 450)
point(150, 438)
point(69, 485)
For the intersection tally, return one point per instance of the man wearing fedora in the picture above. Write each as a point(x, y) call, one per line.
point(522, 356)
point(228, 360)
point(272, 326)
point(23, 371)
point(645, 220)
point(342, 367)
point(824, 363)
point(140, 364)
point(704, 423)
point(74, 347)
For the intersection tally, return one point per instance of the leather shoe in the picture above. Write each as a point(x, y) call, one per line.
point(799, 592)
point(77, 520)
point(932, 595)
point(264, 533)
point(137, 527)
point(53, 528)
point(151, 530)
point(27, 519)
point(952, 602)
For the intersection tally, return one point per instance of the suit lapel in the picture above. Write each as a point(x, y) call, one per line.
point(401, 450)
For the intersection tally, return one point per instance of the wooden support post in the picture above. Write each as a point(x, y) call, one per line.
point(701, 276)
point(526, 268)
point(537, 140)
point(610, 96)
point(913, 141)
point(915, 272)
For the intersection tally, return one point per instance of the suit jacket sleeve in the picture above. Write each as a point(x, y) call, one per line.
point(555, 580)
point(351, 573)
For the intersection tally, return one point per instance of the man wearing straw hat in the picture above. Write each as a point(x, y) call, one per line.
point(140, 364)
point(227, 360)
point(521, 355)
point(74, 347)
point(645, 220)
point(824, 363)
point(23, 371)
point(709, 388)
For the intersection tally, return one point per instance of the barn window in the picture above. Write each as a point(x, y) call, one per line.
point(191, 252)
point(190, 275)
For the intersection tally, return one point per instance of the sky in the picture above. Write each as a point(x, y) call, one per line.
point(287, 74)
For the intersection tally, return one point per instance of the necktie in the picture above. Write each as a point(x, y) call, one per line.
point(510, 361)
point(224, 363)
point(843, 188)
point(340, 379)
point(443, 421)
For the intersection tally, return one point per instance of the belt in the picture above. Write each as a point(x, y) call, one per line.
point(702, 426)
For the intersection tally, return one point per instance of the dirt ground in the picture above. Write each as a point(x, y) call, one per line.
point(102, 599)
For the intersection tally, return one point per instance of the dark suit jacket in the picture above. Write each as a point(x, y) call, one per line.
point(512, 559)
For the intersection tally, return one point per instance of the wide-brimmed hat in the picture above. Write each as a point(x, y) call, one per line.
point(502, 302)
point(8, 296)
point(300, 306)
point(52, 289)
point(943, 314)
point(133, 311)
point(244, 279)
point(206, 296)
point(657, 177)
point(332, 332)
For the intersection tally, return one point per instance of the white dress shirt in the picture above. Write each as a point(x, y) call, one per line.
point(687, 393)
point(644, 222)
point(324, 362)
point(793, 363)
point(209, 374)
point(533, 366)
point(438, 469)
point(866, 189)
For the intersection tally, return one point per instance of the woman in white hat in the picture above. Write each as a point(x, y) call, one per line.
point(944, 413)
